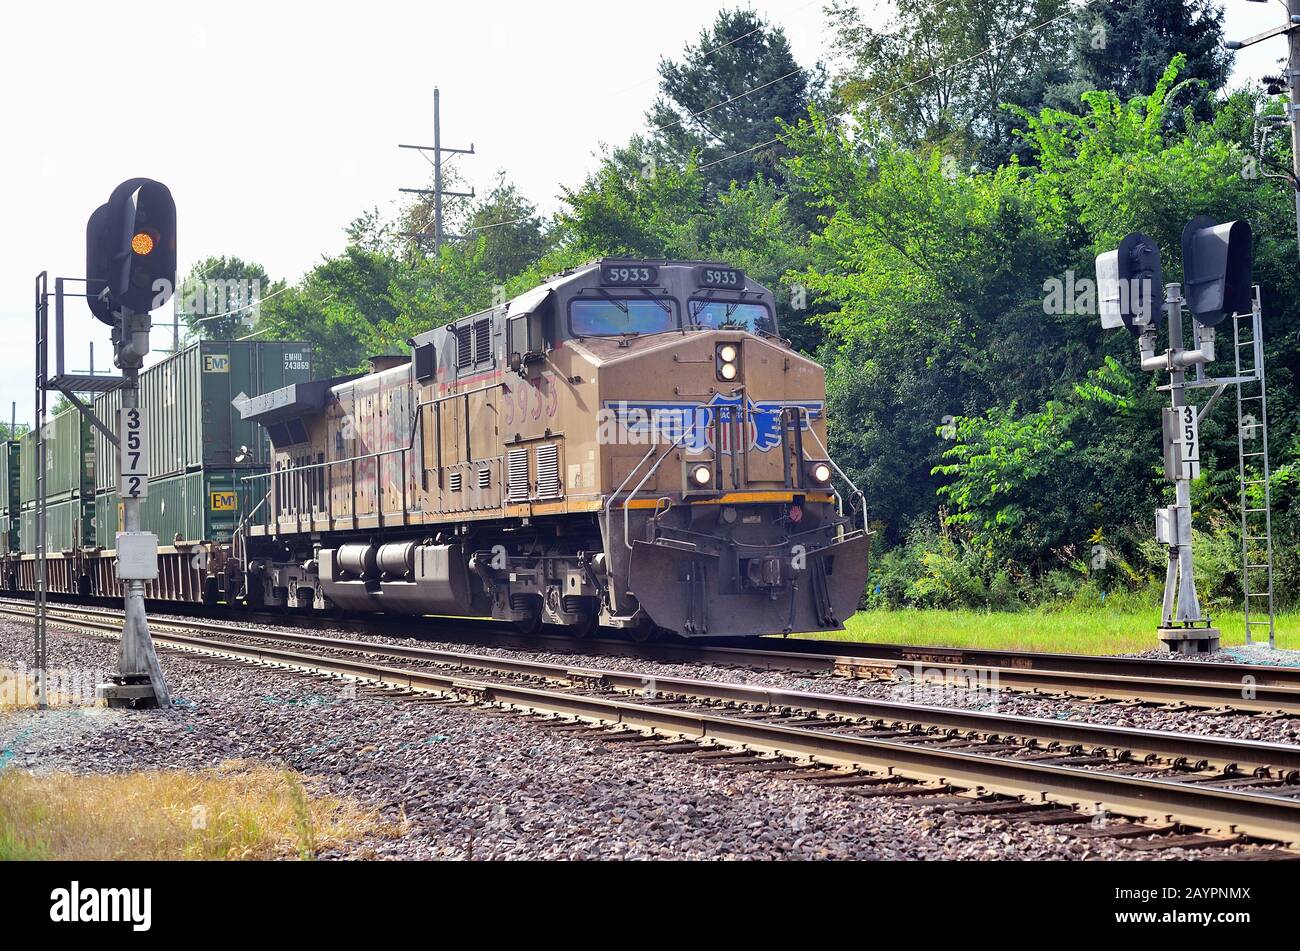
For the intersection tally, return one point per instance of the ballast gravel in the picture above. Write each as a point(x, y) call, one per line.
point(987, 696)
point(475, 784)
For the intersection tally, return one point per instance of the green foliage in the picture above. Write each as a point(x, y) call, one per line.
point(218, 299)
point(1124, 48)
point(731, 90)
point(938, 75)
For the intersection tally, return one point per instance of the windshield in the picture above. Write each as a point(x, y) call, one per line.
point(613, 318)
point(717, 313)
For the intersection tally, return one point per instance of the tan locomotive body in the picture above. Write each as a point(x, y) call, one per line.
point(629, 444)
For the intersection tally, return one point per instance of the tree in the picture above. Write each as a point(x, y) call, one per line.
point(1125, 48)
point(219, 298)
point(938, 74)
point(730, 92)
point(510, 231)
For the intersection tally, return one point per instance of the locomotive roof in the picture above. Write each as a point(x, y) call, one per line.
point(583, 275)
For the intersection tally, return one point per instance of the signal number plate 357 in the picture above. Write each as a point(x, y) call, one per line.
point(134, 454)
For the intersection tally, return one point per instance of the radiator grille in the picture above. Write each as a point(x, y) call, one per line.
point(517, 474)
point(464, 356)
point(454, 481)
point(548, 471)
point(482, 341)
point(484, 478)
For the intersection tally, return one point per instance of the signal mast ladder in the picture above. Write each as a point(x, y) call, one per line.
point(1254, 473)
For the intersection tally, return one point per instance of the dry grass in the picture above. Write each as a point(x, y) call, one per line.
point(237, 811)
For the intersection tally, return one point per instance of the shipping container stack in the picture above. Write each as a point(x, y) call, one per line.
point(69, 485)
point(200, 449)
point(10, 500)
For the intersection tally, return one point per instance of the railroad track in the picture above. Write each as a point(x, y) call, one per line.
point(1245, 688)
point(1158, 790)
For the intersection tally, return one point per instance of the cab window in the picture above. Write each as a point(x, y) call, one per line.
point(613, 318)
point(716, 314)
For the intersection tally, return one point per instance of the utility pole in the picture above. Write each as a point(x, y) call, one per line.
point(1293, 81)
point(438, 192)
point(1291, 78)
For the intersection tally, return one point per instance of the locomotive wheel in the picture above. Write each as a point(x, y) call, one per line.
point(585, 628)
point(255, 593)
point(533, 625)
point(646, 633)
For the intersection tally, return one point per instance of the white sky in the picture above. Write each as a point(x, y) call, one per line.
point(276, 123)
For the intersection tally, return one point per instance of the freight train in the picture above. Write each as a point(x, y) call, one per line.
point(630, 444)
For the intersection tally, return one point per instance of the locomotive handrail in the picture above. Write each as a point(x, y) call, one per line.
point(243, 524)
point(857, 493)
point(610, 504)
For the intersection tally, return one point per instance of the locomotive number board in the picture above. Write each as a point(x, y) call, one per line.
point(631, 275)
point(728, 277)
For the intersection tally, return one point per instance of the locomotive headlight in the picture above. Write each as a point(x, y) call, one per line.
point(821, 473)
point(701, 475)
point(727, 361)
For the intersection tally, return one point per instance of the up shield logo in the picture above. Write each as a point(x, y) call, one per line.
point(699, 426)
point(76, 904)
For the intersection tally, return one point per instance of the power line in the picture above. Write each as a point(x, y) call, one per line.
point(938, 72)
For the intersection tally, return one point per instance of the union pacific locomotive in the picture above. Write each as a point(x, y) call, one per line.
point(630, 444)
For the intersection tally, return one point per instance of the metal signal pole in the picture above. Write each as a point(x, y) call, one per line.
point(438, 193)
point(141, 674)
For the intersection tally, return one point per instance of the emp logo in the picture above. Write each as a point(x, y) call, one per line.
point(216, 363)
point(76, 904)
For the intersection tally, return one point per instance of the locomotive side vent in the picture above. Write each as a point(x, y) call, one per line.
point(548, 471)
point(454, 481)
point(482, 341)
point(485, 478)
point(464, 356)
point(517, 474)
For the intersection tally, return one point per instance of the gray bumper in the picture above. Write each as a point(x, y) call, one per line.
point(681, 590)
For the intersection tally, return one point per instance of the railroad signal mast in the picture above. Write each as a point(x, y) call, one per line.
point(1217, 286)
point(130, 271)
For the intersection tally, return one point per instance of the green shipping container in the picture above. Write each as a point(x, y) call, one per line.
point(69, 465)
point(190, 408)
point(67, 526)
point(10, 503)
point(195, 506)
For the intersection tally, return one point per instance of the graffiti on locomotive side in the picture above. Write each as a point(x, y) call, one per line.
point(526, 400)
point(701, 426)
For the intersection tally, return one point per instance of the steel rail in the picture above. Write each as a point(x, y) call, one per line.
point(1226, 753)
point(1246, 687)
point(1251, 811)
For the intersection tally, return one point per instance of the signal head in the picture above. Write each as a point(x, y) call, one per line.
point(1130, 291)
point(1217, 262)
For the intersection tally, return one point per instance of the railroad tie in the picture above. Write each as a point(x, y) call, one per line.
point(1181, 842)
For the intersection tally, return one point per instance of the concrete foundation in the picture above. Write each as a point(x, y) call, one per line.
point(1189, 640)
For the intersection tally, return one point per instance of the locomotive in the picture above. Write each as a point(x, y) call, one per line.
point(630, 444)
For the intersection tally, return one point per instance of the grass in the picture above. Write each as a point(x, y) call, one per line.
point(237, 811)
point(1070, 630)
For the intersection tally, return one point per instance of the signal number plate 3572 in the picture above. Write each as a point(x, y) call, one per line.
point(134, 454)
